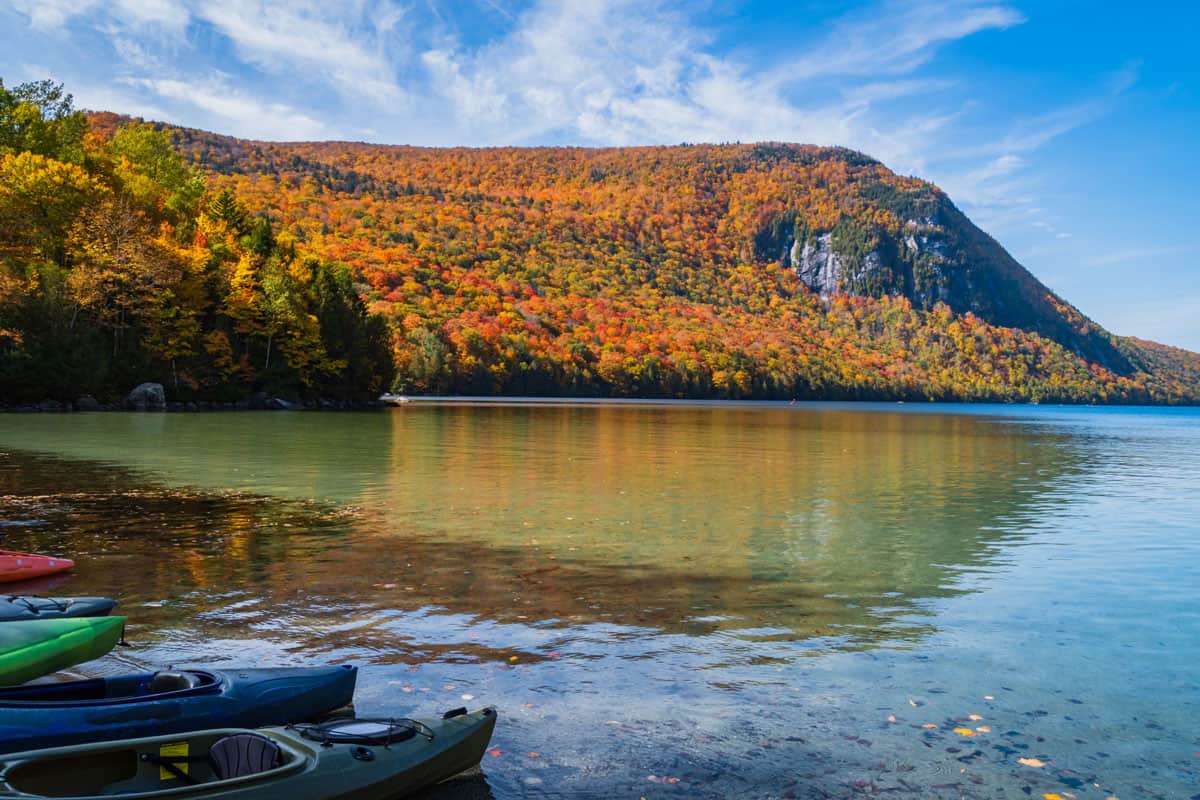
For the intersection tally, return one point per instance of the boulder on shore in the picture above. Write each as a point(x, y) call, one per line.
point(147, 397)
point(87, 403)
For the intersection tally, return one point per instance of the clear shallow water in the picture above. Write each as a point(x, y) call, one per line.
point(755, 600)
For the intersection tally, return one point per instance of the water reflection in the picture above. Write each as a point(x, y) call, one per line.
point(738, 598)
point(832, 527)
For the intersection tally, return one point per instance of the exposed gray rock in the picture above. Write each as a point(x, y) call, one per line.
point(87, 403)
point(817, 265)
point(147, 397)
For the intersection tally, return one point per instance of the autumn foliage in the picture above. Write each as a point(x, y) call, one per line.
point(629, 272)
point(118, 264)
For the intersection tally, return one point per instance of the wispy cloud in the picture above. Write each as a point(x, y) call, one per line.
point(255, 117)
point(1134, 255)
point(895, 39)
point(344, 44)
point(582, 71)
point(53, 14)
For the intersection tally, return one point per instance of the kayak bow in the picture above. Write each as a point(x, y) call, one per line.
point(240, 764)
point(29, 650)
point(170, 701)
point(16, 566)
point(16, 607)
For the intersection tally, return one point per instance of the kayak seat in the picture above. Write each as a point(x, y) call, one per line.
point(244, 754)
point(172, 681)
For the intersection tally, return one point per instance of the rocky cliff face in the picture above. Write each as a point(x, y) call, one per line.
point(935, 255)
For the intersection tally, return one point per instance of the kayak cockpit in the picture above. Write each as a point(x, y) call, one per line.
point(150, 767)
point(129, 688)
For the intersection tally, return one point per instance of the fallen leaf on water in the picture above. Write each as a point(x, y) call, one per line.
point(468, 697)
point(512, 658)
point(554, 654)
point(495, 753)
point(965, 732)
point(988, 697)
point(984, 729)
point(672, 780)
point(929, 725)
point(406, 689)
point(912, 702)
point(448, 686)
point(891, 718)
point(974, 717)
point(526, 705)
point(532, 754)
point(1031, 762)
point(1053, 796)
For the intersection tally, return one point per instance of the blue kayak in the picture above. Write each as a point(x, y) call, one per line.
point(131, 706)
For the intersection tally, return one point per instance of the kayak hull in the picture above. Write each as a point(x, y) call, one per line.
point(16, 566)
point(309, 770)
point(17, 608)
point(29, 650)
point(126, 707)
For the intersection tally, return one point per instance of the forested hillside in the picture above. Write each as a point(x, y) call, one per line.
point(706, 271)
point(120, 264)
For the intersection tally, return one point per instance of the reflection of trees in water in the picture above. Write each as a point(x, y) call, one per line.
point(765, 522)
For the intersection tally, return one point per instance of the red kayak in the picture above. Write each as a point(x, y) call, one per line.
point(22, 566)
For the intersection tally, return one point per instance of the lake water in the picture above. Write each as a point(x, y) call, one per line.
point(673, 600)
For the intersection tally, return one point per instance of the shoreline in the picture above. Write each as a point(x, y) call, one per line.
point(387, 401)
point(193, 406)
point(401, 401)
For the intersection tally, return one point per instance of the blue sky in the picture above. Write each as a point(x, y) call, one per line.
point(1067, 130)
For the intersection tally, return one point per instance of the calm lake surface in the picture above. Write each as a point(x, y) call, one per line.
point(672, 600)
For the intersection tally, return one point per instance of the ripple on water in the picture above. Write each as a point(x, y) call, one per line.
point(698, 602)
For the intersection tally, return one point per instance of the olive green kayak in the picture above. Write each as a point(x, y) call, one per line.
point(342, 760)
point(29, 650)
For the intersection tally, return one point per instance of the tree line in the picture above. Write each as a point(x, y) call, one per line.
point(221, 268)
point(120, 264)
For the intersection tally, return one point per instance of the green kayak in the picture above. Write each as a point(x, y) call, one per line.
point(341, 760)
point(29, 650)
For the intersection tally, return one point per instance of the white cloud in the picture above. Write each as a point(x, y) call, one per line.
point(601, 72)
point(1134, 255)
point(47, 15)
point(617, 72)
point(302, 37)
point(250, 116)
point(101, 97)
point(54, 14)
point(896, 39)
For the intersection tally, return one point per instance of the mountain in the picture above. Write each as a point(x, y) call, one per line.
point(745, 271)
point(669, 270)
